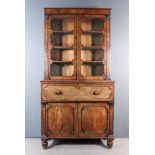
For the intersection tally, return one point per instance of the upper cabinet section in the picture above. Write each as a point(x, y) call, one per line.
point(76, 44)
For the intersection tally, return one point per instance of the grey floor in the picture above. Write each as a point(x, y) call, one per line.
point(76, 147)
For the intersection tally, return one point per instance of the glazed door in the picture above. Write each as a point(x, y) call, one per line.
point(76, 47)
point(93, 119)
point(92, 43)
point(61, 119)
point(60, 40)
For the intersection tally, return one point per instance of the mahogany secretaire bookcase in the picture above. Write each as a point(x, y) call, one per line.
point(77, 95)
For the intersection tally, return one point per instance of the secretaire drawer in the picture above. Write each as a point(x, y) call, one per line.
point(77, 92)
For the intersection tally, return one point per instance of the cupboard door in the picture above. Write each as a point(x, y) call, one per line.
point(61, 119)
point(92, 33)
point(93, 119)
point(61, 46)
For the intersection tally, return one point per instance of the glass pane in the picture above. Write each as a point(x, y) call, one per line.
point(98, 55)
point(62, 69)
point(97, 40)
point(62, 55)
point(88, 24)
point(97, 24)
point(67, 70)
point(60, 24)
point(56, 55)
point(56, 24)
point(92, 55)
point(62, 40)
point(86, 40)
point(92, 69)
point(67, 55)
point(92, 40)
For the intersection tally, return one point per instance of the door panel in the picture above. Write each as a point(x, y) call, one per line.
point(92, 47)
point(93, 119)
point(61, 119)
point(61, 46)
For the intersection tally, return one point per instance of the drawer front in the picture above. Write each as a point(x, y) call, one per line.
point(79, 92)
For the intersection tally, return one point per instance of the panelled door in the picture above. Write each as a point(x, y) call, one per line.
point(93, 119)
point(77, 120)
point(61, 120)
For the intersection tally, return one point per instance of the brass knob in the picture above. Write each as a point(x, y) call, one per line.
point(96, 92)
point(58, 92)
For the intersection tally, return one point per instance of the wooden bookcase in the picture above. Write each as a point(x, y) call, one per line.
point(77, 94)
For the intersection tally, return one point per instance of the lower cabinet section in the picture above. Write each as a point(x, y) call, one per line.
point(77, 120)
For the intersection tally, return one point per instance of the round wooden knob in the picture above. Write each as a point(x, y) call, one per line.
point(96, 92)
point(58, 92)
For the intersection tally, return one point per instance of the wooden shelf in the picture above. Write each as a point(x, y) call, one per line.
point(92, 32)
point(63, 32)
point(92, 47)
point(61, 62)
point(93, 62)
point(63, 47)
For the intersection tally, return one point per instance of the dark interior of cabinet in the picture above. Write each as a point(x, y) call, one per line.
point(59, 69)
point(61, 39)
point(56, 69)
point(56, 55)
point(97, 69)
point(56, 40)
point(97, 55)
point(97, 24)
point(97, 40)
point(56, 24)
point(62, 24)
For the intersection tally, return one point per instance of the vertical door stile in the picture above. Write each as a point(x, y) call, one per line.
point(77, 47)
point(48, 44)
point(108, 45)
point(105, 47)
